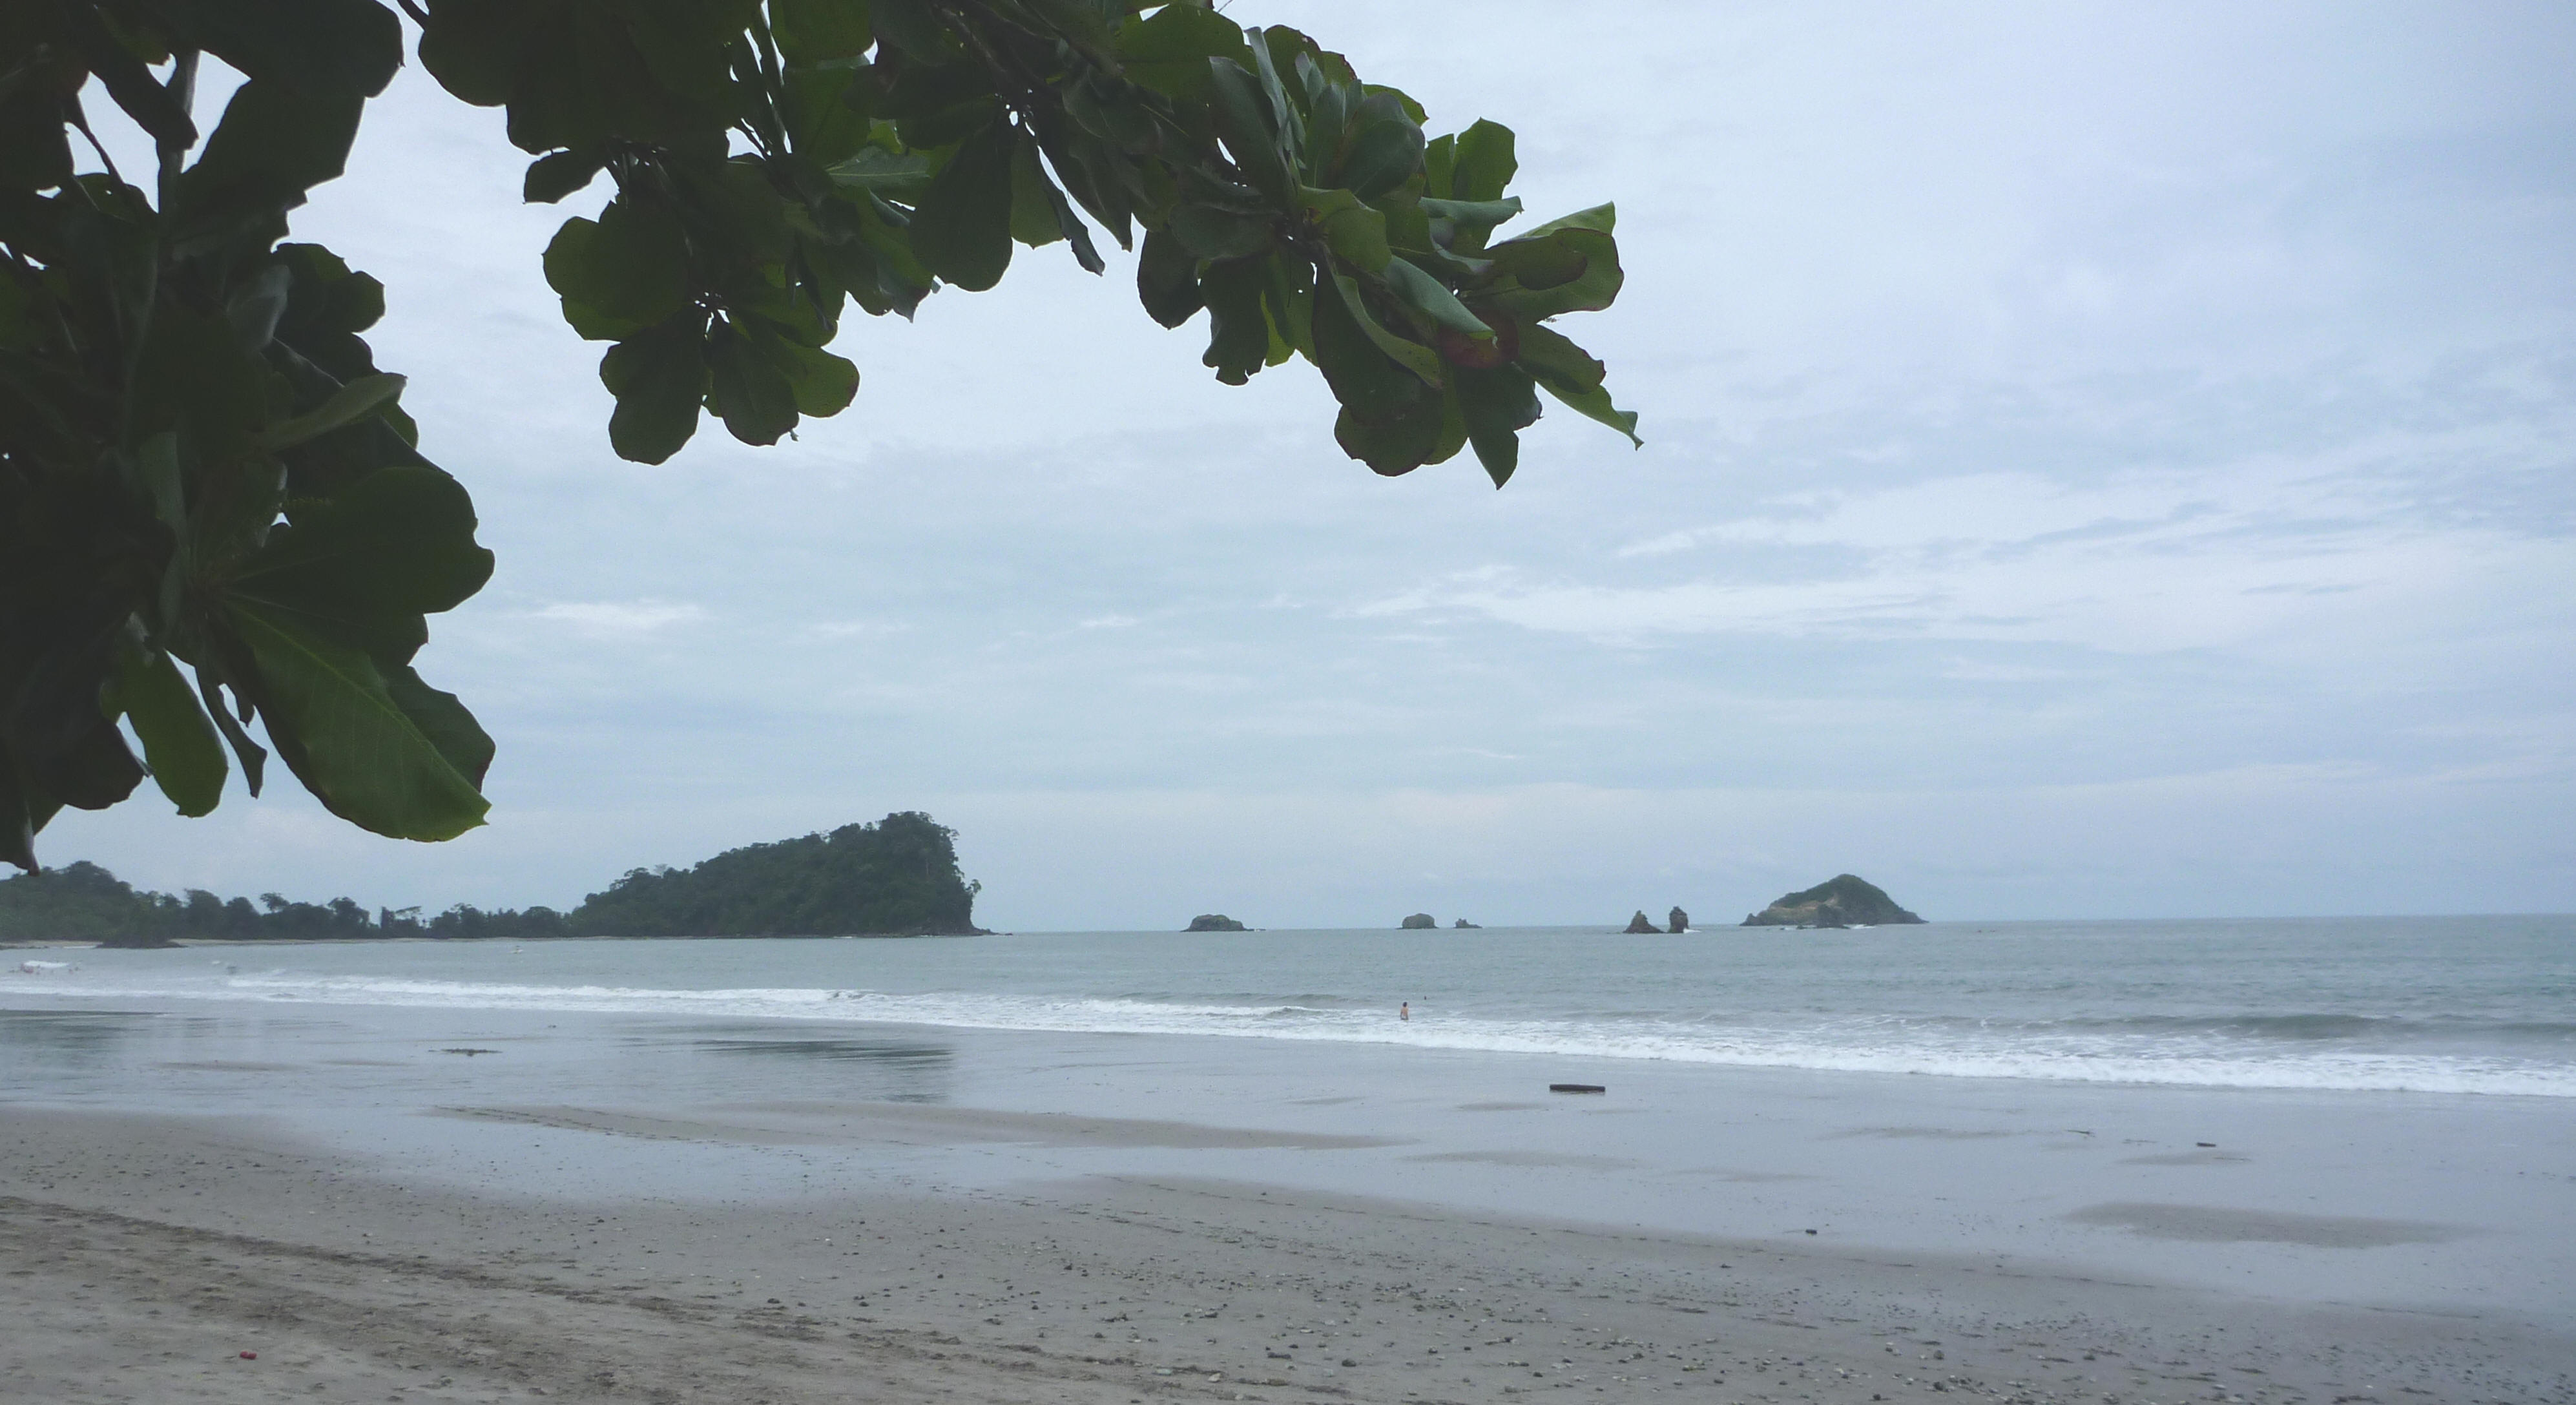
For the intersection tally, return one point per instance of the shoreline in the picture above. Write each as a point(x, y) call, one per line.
point(157, 1249)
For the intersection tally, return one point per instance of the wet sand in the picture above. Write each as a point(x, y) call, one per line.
point(146, 1253)
point(388, 1204)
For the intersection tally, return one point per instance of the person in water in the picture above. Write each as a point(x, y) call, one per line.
point(1404, 1011)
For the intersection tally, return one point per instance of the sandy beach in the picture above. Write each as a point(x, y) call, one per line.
point(147, 1253)
point(753, 1213)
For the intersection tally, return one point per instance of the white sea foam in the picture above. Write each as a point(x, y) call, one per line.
point(2099, 1052)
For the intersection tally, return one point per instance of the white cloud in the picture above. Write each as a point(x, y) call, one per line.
point(620, 619)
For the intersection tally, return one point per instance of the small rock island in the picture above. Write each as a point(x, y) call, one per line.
point(1420, 921)
point(1680, 922)
point(1641, 924)
point(1845, 900)
point(1214, 922)
point(1463, 925)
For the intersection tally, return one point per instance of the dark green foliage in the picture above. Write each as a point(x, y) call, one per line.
point(213, 510)
point(79, 902)
point(84, 902)
point(898, 875)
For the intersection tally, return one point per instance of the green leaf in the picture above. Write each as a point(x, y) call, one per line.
point(442, 718)
point(811, 31)
point(1354, 362)
point(1464, 225)
point(1033, 220)
point(1383, 157)
point(179, 740)
point(749, 390)
point(1238, 330)
point(349, 404)
point(1428, 296)
point(631, 266)
point(1600, 219)
point(823, 384)
point(1567, 372)
point(1570, 269)
point(962, 229)
point(338, 727)
point(346, 46)
point(873, 168)
point(1396, 444)
point(1168, 51)
point(1354, 232)
point(474, 47)
point(127, 80)
point(1167, 279)
point(660, 380)
point(1498, 402)
point(21, 815)
point(1413, 356)
point(254, 757)
point(275, 142)
point(1220, 234)
point(1244, 120)
point(1439, 166)
point(1067, 223)
point(1484, 163)
point(364, 566)
point(914, 29)
point(557, 174)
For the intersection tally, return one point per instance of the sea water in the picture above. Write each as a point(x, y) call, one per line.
point(2458, 1005)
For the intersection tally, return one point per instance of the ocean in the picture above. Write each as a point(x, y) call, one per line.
point(2446, 1005)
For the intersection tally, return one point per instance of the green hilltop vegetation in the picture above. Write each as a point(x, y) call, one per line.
point(897, 876)
point(1843, 900)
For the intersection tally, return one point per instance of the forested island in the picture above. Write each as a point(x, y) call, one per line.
point(1844, 900)
point(895, 877)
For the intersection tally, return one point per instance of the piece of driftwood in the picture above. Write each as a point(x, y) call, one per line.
point(1576, 1088)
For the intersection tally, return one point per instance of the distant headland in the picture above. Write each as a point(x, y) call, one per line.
point(895, 877)
point(1844, 900)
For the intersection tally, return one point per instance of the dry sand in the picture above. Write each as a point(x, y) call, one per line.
point(145, 1255)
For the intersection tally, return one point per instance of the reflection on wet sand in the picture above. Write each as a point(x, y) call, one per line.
point(876, 1070)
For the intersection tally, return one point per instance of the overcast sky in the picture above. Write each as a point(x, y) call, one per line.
point(2101, 461)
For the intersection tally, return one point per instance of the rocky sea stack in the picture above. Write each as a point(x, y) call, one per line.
point(1841, 901)
point(1419, 922)
point(1214, 922)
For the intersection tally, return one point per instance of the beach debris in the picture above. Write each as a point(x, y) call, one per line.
point(250, 1356)
point(469, 1053)
point(2204, 1144)
point(1576, 1088)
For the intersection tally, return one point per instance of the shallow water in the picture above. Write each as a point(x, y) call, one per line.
point(2482, 1005)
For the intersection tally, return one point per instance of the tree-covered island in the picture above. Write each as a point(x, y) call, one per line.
point(895, 877)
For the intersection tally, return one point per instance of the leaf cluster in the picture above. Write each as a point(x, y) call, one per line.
point(212, 507)
point(775, 164)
